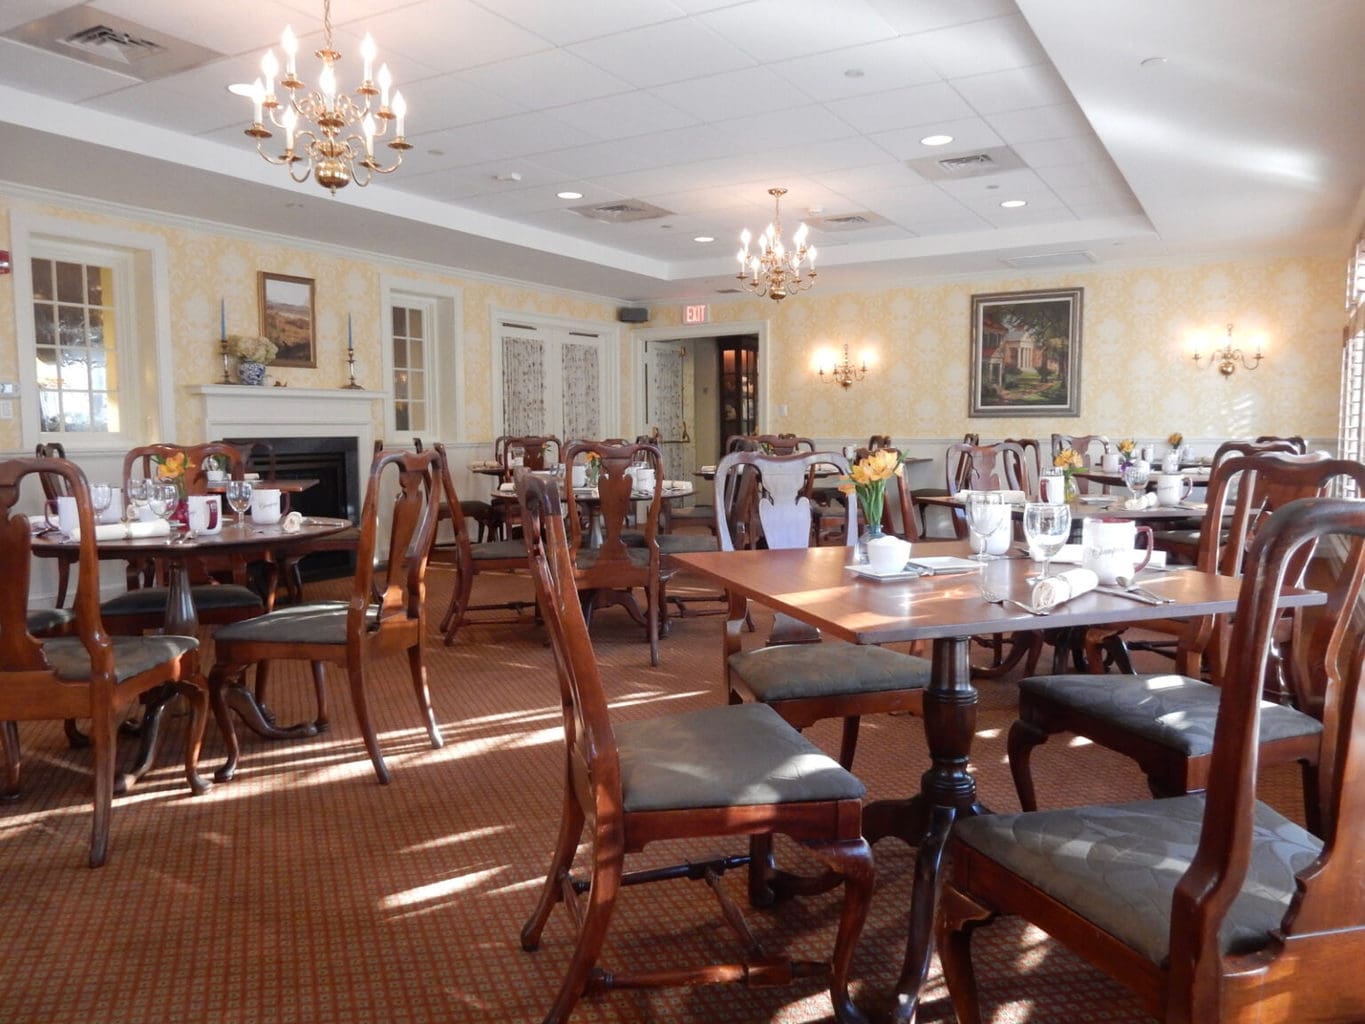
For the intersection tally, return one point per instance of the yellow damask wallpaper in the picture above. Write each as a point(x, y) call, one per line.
point(1137, 377)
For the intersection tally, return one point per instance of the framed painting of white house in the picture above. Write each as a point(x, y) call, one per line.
point(1026, 353)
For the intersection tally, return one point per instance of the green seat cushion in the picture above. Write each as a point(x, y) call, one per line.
point(133, 655)
point(1171, 710)
point(499, 550)
point(731, 756)
point(207, 597)
point(1117, 865)
point(827, 669)
point(675, 543)
point(320, 623)
point(638, 557)
point(49, 620)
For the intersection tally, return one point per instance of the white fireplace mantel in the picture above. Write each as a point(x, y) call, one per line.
point(236, 410)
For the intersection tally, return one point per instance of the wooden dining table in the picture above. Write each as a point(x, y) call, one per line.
point(815, 586)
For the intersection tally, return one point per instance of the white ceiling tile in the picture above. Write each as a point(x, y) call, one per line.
point(1083, 148)
point(988, 205)
point(784, 127)
point(1014, 89)
point(1084, 195)
point(981, 47)
point(1089, 173)
point(444, 101)
point(50, 75)
point(772, 30)
point(1115, 207)
point(598, 160)
point(1059, 121)
point(924, 15)
point(1026, 216)
point(901, 108)
point(962, 222)
point(551, 78)
point(885, 65)
point(853, 181)
point(451, 35)
point(21, 12)
point(717, 97)
point(1018, 182)
point(624, 115)
point(969, 135)
point(659, 54)
point(519, 135)
point(189, 112)
point(916, 202)
point(564, 23)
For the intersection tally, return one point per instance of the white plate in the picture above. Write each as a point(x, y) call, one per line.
point(933, 565)
point(1096, 499)
point(867, 572)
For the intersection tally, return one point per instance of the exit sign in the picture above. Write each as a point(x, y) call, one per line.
point(696, 314)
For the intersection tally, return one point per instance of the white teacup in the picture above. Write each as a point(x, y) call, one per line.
point(1109, 548)
point(1052, 488)
point(67, 519)
point(997, 543)
point(580, 476)
point(205, 513)
point(265, 506)
point(643, 478)
point(216, 476)
point(1172, 489)
point(887, 554)
point(1109, 462)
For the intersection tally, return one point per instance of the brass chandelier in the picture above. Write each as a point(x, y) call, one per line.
point(328, 134)
point(774, 271)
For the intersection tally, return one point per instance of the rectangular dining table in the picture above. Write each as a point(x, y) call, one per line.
point(815, 586)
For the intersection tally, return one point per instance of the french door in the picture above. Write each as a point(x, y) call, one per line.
point(552, 380)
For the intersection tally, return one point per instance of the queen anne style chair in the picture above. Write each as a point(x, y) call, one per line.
point(717, 772)
point(1090, 447)
point(1211, 908)
point(386, 613)
point(1165, 722)
point(956, 468)
point(85, 674)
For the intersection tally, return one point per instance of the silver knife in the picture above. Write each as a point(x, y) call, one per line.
point(1133, 595)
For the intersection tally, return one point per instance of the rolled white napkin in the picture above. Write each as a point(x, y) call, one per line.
point(507, 488)
point(130, 531)
point(1008, 497)
point(1055, 590)
point(292, 523)
point(1141, 502)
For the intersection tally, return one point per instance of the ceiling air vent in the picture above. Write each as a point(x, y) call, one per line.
point(1039, 260)
point(116, 44)
point(848, 221)
point(967, 165)
point(622, 211)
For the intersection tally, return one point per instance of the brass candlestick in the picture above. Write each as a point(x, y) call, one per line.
point(350, 369)
point(222, 347)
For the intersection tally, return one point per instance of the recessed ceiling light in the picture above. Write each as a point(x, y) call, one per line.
point(704, 238)
point(569, 195)
point(936, 140)
point(1014, 204)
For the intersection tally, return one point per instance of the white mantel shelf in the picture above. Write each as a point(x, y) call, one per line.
point(239, 410)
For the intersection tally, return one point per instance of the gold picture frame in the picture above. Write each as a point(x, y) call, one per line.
point(288, 318)
point(1026, 353)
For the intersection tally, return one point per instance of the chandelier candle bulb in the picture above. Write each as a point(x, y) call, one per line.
point(385, 83)
point(774, 270)
point(290, 45)
point(368, 52)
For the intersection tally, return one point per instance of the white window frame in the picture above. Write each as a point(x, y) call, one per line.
point(560, 329)
point(146, 359)
point(445, 358)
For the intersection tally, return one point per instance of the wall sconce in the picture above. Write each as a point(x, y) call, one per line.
point(1227, 358)
point(845, 373)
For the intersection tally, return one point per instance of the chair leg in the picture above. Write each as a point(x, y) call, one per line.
point(762, 866)
point(220, 678)
point(197, 694)
point(322, 722)
point(566, 845)
point(63, 578)
point(103, 728)
point(75, 739)
point(459, 603)
point(959, 916)
point(14, 759)
point(848, 742)
point(852, 860)
point(417, 667)
point(1023, 737)
point(601, 901)
point(652, 621)
point(356, 672)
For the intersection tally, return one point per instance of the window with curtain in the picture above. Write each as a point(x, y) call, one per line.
point(551, 381)
point(1352, 414)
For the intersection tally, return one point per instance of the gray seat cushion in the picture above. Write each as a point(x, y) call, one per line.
point(1118, 865)
point(638, 557)
point(207, 597)
point(49, 620)
point(320, 623)
point(826, 670)
point(133, 655)
point(1174, 711)
point(730, 756)
point(499, 550)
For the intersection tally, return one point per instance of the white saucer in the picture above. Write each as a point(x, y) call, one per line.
point(867, 572)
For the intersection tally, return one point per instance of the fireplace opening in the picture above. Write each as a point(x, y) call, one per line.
point(334, 462)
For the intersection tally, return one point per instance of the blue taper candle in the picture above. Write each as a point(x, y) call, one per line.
point(350, 345)
point(222, 319)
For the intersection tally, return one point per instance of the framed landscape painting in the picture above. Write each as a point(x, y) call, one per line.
point(287, 318)
point(1026, 353)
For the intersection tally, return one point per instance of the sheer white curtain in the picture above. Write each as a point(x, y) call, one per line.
point(523, 386)
point(667, 372)
point(551, 381)
point(580, 390)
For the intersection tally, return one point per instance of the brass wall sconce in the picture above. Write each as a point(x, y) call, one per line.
point(845, 373)
point(1227, 358)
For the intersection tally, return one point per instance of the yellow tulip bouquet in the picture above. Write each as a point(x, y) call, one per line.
point(867, 479)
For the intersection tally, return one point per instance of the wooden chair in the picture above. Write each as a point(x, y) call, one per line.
point(985, 467)
point(1165, 722)
point(609, 570)
point(1091, 447)
point(1298, 443)
point(956, 468)
point(877, 441)
point(1032, 467)
point(469, 559)
point(719, 772)
point(770, 444)
point(54, 486)
point(534, 451)
point(1210, 908)
point(86, 674)
point(386, 613)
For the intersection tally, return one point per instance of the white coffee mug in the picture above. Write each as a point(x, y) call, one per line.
point(887, 553)
point(1109, 548)
point(216, 476)
point(114, 513)
point(580, 476)
point(1172, 489)
point(265, 506)
point(64, 509)
point(1109, 462)
point(205, 513)
point(643, 477)
point(997, 543)
point(1052, 488)
point(1170, 462)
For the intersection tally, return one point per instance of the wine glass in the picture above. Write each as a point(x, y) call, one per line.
point(985, 514)
point(1046, 528)
point(101, 496)
point(139, 492)
point(1135, 476)
point(164, 500)
point(239, 497)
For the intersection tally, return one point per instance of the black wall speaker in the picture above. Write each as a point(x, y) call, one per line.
point(632, 315)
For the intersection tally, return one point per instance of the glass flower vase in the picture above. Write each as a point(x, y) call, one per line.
point(870, 532)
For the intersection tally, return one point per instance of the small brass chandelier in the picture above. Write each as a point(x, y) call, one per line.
point(1227, 358)
point(327, 133)
point(844, 374)
point(773, 271)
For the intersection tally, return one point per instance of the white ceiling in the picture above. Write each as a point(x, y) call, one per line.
point(1245, 139)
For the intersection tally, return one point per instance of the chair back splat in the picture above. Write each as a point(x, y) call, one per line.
point(1227, 912)
point(729, 770)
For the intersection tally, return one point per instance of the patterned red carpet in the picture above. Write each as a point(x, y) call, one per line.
point(305, 892)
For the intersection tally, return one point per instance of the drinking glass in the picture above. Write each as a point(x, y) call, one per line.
point(985, 514)
point(164, 500)
point(139, 493)
point(1135, 476)
point(1046, 528)
point(100, 497)
point(239, 497)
